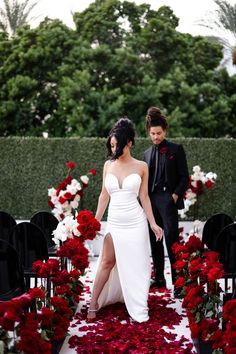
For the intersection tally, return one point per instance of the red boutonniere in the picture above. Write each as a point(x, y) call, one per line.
point(163, 150)
point(171, 157)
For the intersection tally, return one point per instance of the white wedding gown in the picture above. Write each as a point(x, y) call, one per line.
point(129, 280)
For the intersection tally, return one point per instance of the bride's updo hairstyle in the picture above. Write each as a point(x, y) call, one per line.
point(155, 118)
point(124, 133)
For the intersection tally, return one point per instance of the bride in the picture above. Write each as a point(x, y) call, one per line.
point(123, 273)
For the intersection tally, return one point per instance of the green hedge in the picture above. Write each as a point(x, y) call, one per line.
point(29, 166)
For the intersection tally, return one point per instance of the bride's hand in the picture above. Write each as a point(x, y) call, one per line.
point(157, 231)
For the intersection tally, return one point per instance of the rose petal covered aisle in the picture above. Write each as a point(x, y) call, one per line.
point(115, 332)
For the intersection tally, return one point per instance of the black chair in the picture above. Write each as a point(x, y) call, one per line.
point(31, 244)
point(212, 228)
point(11, 272)
point(47, 223)
point(7, 222)
point(226, 246)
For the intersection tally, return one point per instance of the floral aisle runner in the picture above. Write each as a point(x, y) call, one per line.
point(166, 331)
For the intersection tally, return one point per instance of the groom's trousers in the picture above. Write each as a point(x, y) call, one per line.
point(166, 215)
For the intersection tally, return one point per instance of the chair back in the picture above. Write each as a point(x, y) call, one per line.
point(11, 272)
point(212, 228)
point(30, 242)
point(7, 222)
point(47, 223)
point(226, 246)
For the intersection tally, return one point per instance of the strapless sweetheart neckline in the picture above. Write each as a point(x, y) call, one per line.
point(121, 184)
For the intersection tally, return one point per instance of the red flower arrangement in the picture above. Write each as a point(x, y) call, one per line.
point(34, 330)
point(224, 340)
point(198, 272)
point(50, 317)
point(65, 198)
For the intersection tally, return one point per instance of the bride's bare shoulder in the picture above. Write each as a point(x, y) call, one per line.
point(141, 166)
point(107, 165)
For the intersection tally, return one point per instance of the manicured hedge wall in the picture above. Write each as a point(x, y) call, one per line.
point(29, 166)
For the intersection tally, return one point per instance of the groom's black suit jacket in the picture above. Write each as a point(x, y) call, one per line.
point(174, 163)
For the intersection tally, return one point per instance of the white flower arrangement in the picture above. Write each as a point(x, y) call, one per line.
point(197, 181)
point(66, 228)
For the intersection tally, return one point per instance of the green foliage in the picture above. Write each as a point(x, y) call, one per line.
point(121, 59)
point(29, 166)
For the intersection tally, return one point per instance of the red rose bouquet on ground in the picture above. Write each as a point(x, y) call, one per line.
point(65, 199)
point(198, 271)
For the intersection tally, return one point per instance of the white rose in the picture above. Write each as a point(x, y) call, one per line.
point(196, 169)
point(51, 192)
point(74, 204)
point(60, 234)
point(84, 179)
point(54, 200)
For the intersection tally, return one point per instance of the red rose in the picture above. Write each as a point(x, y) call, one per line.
point(180, 264)
point(209, 184)
point(163, 150)
point(179, 283)
point(37, 293)
point(214, 274)
point(68, 196)
point(194, 244)
point(212, 256)
point(84, 216)
point(50, 204)
point(70, 165)
point(59, 334)
point(61, 200)
point(229, 310)
point(60, 304)
point(92, 171)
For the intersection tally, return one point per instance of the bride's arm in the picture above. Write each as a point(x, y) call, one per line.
point(103, 197)
point(146, 204)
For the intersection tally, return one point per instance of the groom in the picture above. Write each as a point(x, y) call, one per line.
point(168, 178)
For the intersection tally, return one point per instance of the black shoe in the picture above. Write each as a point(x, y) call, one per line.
point(158, 283)
point(177, 293)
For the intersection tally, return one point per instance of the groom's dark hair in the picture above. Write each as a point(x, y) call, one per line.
point(124, 133)
point(155, 118)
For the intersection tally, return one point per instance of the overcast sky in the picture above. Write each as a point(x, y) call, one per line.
point(188, 11)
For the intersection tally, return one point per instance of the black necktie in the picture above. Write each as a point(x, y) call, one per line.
point(155, 162)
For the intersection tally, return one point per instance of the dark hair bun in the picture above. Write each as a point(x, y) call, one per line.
point(126, 126)
point(155, 118)
point(124, 133)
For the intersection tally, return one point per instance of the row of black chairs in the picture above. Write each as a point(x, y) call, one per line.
point(46, 221)
point(219, 234)
point(20, 245)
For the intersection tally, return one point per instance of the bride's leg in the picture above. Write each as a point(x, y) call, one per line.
point(107, 263)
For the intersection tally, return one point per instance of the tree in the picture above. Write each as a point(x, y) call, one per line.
point(29, 79)
point(14, 15)
point(120, 59)
point(223, 22)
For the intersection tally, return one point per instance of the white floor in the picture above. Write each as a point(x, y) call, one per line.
point(180, 330)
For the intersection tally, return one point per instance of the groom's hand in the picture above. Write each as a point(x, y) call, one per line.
point(175, 197)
